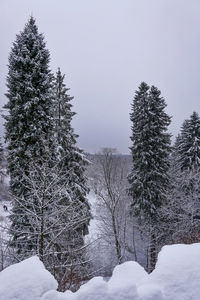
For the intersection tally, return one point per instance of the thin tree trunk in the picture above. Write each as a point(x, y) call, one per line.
point(153, 252)
point(147, 261)
point(134, 244)
point(117, 244)
point(41, 249)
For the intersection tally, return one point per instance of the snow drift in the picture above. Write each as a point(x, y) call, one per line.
point(176, 277)
point(27, 280)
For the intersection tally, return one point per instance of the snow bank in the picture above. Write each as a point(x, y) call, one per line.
point(176, 277)
point(124, 281)
point(177, 272)
point(27, 280)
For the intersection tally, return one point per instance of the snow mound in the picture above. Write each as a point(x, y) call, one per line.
point(127, 274)
point(124, 280)
point(176, 277)
point(27, 280)
point(177, 272)
point(95, 289)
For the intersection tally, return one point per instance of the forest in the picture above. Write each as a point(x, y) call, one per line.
point(84, 213)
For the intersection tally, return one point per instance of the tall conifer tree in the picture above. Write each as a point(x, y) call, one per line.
point(150, 153)
point(28, 124)
point(188, 149)
point(150, 150)
point(72, 164)
point(184, 208)
point(71, 158)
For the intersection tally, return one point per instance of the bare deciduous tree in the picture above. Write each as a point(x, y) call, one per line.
point(109, 183)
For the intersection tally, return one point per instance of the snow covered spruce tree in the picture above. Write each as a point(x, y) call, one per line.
point(150, 154)
point(50, 213)
point(28, 127)
point(184, 199)
point(188, 149)
point(72, 163)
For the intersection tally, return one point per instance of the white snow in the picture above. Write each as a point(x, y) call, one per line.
point(95, 289)
point(176, 277)
point(127, 274)
point(93, 226)
point(27, 280)
point(4, 225)
point(177, 272)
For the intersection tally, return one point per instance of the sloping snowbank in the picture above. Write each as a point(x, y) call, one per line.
point(177, 272)
point(176, 277)
point(27, 280)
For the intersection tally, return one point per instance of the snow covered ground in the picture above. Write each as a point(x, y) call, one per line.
point(176, 277)
point(93, 226)
point(27, 280)
point(5, 207)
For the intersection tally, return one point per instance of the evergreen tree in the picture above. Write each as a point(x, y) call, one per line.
point(184, 205)
point(71, 159)
point(188, 149)
point(50, 213)
point(72, 165)
point(28, 125)
point(150, 152)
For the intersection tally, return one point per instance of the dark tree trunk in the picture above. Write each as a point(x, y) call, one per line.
point(152, 252)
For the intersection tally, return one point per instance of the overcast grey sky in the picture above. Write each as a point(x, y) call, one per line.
point(106, 48)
